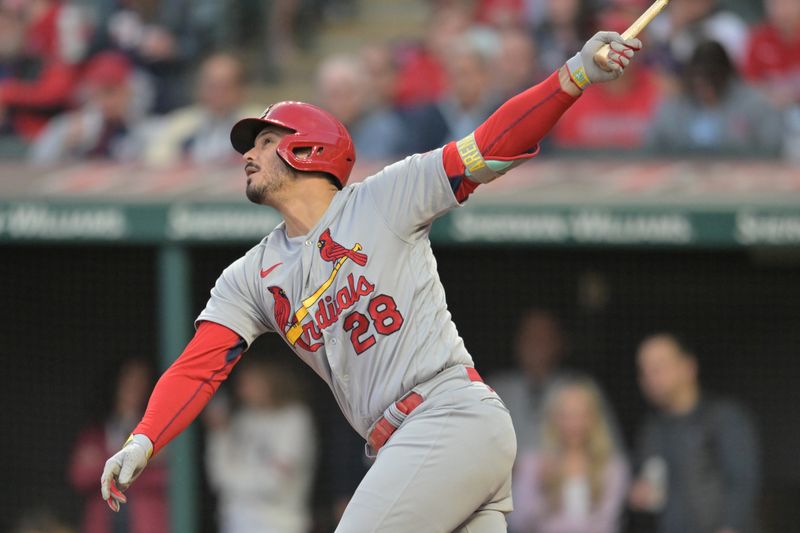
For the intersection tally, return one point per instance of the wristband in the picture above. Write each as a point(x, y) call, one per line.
point(577, 72)
point(142, 441)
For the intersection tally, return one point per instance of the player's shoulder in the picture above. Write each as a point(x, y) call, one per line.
point(426, 162)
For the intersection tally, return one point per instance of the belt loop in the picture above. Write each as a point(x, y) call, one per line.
point(369, 452)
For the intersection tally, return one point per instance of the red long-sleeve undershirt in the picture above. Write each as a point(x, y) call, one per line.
point(185, 388)
point(512, 132)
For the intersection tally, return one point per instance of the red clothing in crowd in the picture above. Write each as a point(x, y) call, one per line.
point(32, 102)
point(147, 498)
point(422, 79)
point(500, 11)
point(603, 118)
point(772, 57)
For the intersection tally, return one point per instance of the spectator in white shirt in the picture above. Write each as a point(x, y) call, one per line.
point(261, 459)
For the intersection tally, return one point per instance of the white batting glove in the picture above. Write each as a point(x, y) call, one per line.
point(582, 68)
point(123, 468)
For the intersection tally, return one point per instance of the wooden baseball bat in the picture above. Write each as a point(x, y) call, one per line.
point(601, 57)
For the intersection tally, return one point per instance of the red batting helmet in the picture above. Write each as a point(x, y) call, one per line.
point(331, 147)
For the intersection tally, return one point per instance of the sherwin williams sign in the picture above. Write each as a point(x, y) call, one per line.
point(626, 226)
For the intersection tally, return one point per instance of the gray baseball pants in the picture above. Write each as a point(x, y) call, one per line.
point(446, 469)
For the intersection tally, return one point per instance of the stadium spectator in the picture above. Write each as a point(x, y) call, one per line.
point(470, 100)
point(346, 460)
point(164, 38)
point(716, 113)
point(500, 13)
point(149, 504)
point(105, 127)
point(567, 24)
point(673, 38)
point(11, 38)
point(422, 78)
point(697, 454)
point(535, 12)
point(344, 89)
point(380, 64)
point(280, 46)
point(260, 460)
point(576, 481)
point(615, 115)
point(43, 42)
point(773, 53)
point(539, 349)
point(201, 133)
point(517, 66)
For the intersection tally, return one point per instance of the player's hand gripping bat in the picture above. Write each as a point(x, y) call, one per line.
point(601, 57)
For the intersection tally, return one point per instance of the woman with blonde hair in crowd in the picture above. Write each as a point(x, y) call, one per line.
point(576, 481)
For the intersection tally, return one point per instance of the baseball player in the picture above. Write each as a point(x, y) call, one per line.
point(349, 281)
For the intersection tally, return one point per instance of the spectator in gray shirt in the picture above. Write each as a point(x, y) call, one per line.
point(697, 454)
point(344, 87)
point(717, 113)
point(540, 346)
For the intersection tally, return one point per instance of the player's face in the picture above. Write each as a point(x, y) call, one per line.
point(267, 174)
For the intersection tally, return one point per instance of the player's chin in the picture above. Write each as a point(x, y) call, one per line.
point(255, 193)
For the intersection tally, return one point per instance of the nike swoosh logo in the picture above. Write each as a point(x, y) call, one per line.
point(265, 271)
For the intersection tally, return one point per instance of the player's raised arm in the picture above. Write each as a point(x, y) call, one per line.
point(178, 397)
point(411, 194)
point(512, 134)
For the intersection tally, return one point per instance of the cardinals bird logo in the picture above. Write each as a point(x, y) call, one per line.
point(282, 309)
point(282, 312)
point(332, 251)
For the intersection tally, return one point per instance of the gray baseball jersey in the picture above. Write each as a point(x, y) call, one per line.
point(358, 298)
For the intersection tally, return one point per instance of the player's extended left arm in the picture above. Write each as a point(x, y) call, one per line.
point(512, 134)
point(179, 396)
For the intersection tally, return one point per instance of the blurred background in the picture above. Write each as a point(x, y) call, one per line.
point(632, 293)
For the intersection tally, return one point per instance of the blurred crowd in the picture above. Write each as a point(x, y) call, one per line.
point(692, 467)
point(161, 82)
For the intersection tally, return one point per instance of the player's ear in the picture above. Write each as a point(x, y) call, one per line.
point(302, 152)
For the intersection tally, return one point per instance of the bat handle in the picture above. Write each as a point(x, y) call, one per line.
point(601, 56)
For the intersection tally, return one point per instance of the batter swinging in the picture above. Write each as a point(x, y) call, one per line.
point(349, 280)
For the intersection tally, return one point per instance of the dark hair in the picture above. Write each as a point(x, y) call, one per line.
point(712, 64)
point(335, 182)
point(684, 345)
